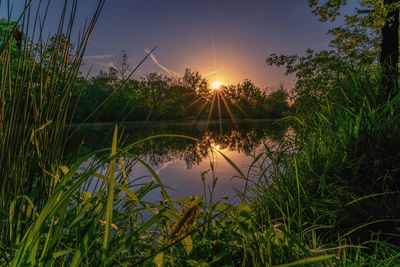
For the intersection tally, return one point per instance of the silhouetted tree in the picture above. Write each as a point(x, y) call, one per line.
point(374, 28)
point(389, 58)
point(277, 103)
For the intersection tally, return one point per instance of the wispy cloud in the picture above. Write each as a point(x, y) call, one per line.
point(211, 73)
point(165, 165)
point(101, 60)
point(170, 72)
point(98, 57)
point(107, 64)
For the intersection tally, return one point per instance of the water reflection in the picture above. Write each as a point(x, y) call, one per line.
point(176, 159)
point(243, 139)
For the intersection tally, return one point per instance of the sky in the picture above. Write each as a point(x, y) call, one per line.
point(225, 40)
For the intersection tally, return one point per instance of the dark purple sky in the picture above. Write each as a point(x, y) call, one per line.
point(225, 40)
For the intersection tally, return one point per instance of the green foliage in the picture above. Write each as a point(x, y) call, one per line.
point(360, 36)
point(36, 83)
point(343, 178)
point(357, 46)
point(6, 36)
point(337, 176)
point(85, 206)
point(159, 97)
point(277, 103)
point(317, 75)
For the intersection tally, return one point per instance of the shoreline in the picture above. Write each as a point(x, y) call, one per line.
point(170, 122)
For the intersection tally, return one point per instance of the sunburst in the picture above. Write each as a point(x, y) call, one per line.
point(217, 85)
point(217, 99)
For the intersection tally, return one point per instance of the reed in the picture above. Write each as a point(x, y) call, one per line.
point(37, 76)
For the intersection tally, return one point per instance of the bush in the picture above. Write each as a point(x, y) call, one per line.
point(344, 177)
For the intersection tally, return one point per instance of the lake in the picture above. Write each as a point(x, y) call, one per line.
point(181, 163)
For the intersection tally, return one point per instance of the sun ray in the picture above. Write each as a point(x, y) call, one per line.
point(193, 103)
point(241, 110)
point(211, 110)
point(228, 109)
point(188, 94)
point(201, 109)
point(219, 111)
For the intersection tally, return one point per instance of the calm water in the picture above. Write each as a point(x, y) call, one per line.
point(180, 162)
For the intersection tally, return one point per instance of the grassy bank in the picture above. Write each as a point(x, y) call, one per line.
point(340, 187)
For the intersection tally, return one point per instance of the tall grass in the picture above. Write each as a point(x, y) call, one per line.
point(85, 223)
point(52, 214)
point(339, 183)
point(36, 83)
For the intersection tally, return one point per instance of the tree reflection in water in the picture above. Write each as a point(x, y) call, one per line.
point(244, 138)
point(179, 162)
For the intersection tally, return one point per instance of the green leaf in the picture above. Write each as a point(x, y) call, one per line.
point(222, 206)
point(187, 244)
point(110, 193)
point(307, 260)
point(64, 169)
point(244, 210)
point(62, 253)
point(159, 259)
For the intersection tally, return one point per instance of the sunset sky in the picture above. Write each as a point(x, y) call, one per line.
point(225, 40)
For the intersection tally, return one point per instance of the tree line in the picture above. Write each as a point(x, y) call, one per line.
point(109, 96)
point(112, 95)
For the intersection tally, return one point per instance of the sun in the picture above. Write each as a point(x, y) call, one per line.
point(216, 85)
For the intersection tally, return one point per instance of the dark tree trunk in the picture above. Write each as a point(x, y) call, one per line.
point(389, 57)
